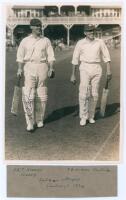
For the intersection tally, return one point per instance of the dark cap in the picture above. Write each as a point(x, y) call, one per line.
point(35, 22)
point(89, 27)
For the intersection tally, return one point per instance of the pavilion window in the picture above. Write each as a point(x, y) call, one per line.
point(28, 13)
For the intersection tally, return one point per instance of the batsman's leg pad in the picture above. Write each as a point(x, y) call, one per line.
point(40, 103)
point(28, 95)
point(42, 93)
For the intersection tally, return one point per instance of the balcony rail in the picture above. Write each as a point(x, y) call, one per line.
point(66, 20)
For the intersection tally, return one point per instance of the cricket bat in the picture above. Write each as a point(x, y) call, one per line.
point(104, 99)
point(16, 97)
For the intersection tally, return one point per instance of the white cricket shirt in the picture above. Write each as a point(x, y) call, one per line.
point(35, 49)
point(90, 51)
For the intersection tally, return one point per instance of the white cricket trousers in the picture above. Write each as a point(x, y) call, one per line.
point(90, 75)
point(34, 92)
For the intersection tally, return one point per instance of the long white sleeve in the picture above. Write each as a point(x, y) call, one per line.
point(105, 52)
point(50, 52)
point(76, 54)
point(21, 52)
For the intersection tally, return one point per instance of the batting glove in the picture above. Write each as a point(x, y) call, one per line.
point(109, 77)
point(73, 79)
point(51, 73)
point(19, 72)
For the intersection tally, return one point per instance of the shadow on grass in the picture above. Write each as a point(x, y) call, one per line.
point(62, 112)
point(111, 109)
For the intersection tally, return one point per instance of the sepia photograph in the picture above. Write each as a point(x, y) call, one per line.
point(62, 82)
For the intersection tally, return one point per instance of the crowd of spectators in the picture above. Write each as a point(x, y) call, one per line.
point(66, 14)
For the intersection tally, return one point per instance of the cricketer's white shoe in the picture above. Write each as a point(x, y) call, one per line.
point(30, 127)
point(83, 121)
point(91, 121)
point(40, 124)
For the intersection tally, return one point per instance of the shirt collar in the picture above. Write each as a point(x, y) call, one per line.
point(41, 36)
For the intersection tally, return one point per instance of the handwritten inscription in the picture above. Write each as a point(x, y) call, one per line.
point(62, 181)
point(27, 96)
point(74, 179)
point(28, 106)
point(100, 169)
point(52, 181)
